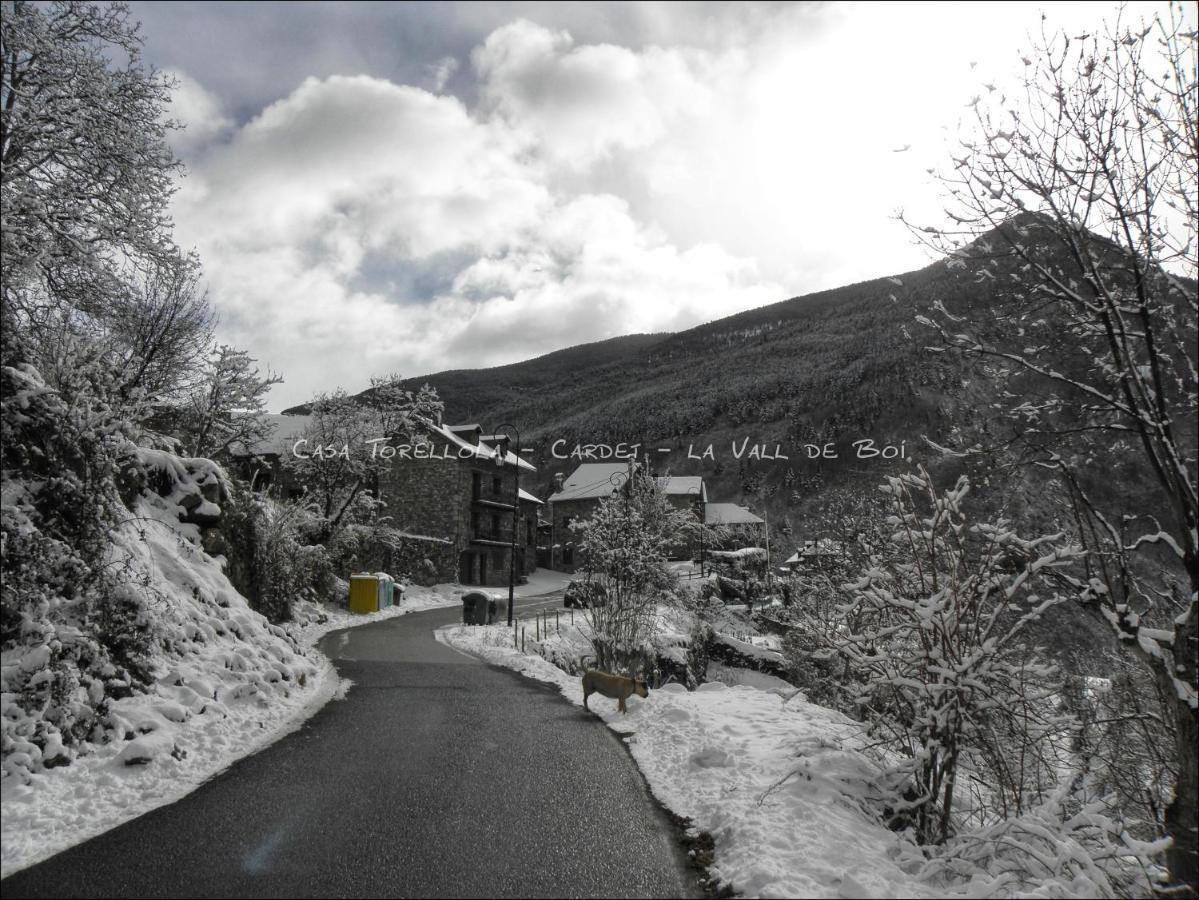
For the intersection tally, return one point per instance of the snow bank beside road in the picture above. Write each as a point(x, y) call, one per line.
point(313, 621)
point(182, 735)
point(777, 782)
point(227, 682)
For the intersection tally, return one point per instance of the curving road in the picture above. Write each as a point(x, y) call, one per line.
point(436, 776)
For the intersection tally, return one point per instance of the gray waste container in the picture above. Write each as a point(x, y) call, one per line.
point(478, 608)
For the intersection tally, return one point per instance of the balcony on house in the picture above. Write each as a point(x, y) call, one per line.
point(492, 527)
point(490, 492)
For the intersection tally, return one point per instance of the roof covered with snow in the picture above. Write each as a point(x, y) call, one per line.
point(592, 480)
point(677, 485)
point(595, 480)
point(810, 549)
point(525, 495)
point(741, 553)
point(481, 451)
point(729, 514)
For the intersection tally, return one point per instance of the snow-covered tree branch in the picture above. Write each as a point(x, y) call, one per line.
point(1088, 182)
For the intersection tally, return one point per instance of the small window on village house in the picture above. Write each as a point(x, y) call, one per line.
point(476, 485)
point(495, 525)
point(497, 485)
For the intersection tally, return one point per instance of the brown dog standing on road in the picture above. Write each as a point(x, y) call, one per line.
point(616, 686)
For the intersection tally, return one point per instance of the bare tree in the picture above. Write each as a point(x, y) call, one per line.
point(228, 404)
point(87, 172)
point(343, 458)
point(85, 182)
point(162, 330)
point(934, 644)
point(1087, 182)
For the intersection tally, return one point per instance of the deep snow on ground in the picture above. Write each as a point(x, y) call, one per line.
point(777, 781)
point(735, 675)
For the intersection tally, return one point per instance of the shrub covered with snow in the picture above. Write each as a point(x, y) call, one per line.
point(75, 627)
point(268, 556)
point(108, 593)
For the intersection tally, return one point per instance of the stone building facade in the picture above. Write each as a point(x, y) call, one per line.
point(449, 499)
point(459, 493)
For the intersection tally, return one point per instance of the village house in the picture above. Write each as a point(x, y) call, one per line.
point(730, 526)
point(730, 515)
point(453, 499)
point(813, 555)
point(579, 495)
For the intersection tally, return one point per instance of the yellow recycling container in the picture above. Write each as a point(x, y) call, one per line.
point(364, 594)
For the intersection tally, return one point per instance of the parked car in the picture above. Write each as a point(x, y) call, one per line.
point(582, 594)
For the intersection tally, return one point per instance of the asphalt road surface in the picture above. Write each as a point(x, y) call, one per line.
point(436, 776)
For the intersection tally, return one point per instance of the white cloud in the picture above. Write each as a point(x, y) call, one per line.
point(200, 112)
point(442, 71)
point(593, 273)
point(287, 212)
point(579, 103)
point(358, 226)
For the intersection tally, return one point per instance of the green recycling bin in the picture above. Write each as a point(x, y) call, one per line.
point(386, 593)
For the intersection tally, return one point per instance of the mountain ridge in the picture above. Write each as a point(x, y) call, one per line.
point(786, 383)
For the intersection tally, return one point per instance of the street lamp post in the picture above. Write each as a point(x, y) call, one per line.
point(499, 461)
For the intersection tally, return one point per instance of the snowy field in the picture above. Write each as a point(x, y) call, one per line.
point(777, 781)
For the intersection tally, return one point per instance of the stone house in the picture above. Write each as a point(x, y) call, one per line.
point(449, 495)
point(460, 493)
point(579, 495)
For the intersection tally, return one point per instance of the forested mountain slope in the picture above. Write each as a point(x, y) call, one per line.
point(828, 368)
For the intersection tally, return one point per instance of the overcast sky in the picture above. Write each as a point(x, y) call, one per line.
point(379, 187)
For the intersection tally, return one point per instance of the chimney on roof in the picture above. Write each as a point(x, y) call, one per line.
point(559, 477)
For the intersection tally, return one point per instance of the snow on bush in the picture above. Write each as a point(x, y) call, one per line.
point(209, 652)
point(790, 792)
point(110, 600)
point(73, 625)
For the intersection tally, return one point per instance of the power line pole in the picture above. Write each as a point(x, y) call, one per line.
point(769, 568)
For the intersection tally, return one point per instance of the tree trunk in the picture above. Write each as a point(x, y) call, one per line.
point(1181, 822)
